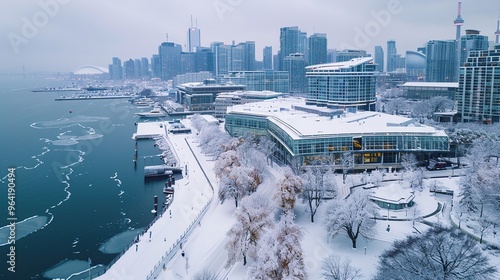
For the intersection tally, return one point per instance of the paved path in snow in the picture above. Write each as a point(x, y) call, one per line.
point(191, 194)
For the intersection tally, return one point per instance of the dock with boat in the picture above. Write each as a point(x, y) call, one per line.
point(91, 97)
point(158, 131)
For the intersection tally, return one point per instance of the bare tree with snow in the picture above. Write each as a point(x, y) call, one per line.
point(347, 162)
point(352, 215)
point(225, 162)
point(267, 264)
point(377, 176)
point(318, 183)
point(439, 253)
point(339, 268)
point(484, 225)
point(266, 146)
point(409, 162)
point(240, 182)
point(395, 106)
point(197, 122)
point(281, 254)
point(290, 253)
point(213, 140)
point(287, 189)
point(253, 218)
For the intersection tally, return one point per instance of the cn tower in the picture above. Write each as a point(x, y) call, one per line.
point(459, 21)
point(497, 33)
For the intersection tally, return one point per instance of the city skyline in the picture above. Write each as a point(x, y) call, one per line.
point(57, 35)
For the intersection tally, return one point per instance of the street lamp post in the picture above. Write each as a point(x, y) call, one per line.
point(388, 207)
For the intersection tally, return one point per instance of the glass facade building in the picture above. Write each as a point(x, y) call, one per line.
point(478, 95)
point(379, 58)
point(424, 91)
point(317, 49)
point(416, 64)
point(198, 97)
point(305, 135)
point(471, 41)
point(295, 64)
point(348, 84)
point(277, 81)
point(441, 61)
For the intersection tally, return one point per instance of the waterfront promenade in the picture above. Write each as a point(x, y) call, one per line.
point(159, 243)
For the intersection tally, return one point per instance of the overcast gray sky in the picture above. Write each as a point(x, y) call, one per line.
point(61, 35)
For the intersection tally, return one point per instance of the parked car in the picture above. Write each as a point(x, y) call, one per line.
point(435, 164)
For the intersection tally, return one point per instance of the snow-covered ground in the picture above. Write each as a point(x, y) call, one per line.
point(161, 256)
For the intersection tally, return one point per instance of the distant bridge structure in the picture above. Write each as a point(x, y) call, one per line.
point(90, 70)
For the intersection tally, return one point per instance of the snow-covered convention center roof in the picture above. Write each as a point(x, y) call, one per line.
point(301, 121)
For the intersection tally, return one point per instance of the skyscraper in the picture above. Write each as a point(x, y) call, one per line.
point(304, 45)
point(347, 84)
point(204, 60)
point(145, 67)
point(478, 95)
point(289, 43)
point(156, 66)
point(194, 39)
point(220, 51)
point(347, 55)
point(267, 58)
point(236, 57)
point(379, 58)
point(441, 61)
point(295, 65)
point(188, 63)
point(391, 53)
point(317, 49)
point(249, 56)
point(137, 68)
point(170, 59)
point(116, 70)
point(471, 41)
point(129, 66)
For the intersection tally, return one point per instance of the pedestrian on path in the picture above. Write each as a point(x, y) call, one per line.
point(136, 247)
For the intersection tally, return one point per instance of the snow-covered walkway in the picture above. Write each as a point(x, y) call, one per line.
point(192, 193)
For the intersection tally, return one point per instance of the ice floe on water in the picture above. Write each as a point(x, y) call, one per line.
point(37, 159)
point(120, 242)
point(23, 228)
point(68, 268)
point(115, 178)
point(64, 142)
point(68, 140)
point(67, 122)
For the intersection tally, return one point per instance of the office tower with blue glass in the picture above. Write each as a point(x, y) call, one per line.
point(317, 49)
point(343, 85)
point(478, 95)
point(441, 61)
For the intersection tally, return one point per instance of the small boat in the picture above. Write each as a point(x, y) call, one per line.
point(156, 112)
point(143, 102)
point(168, 189)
